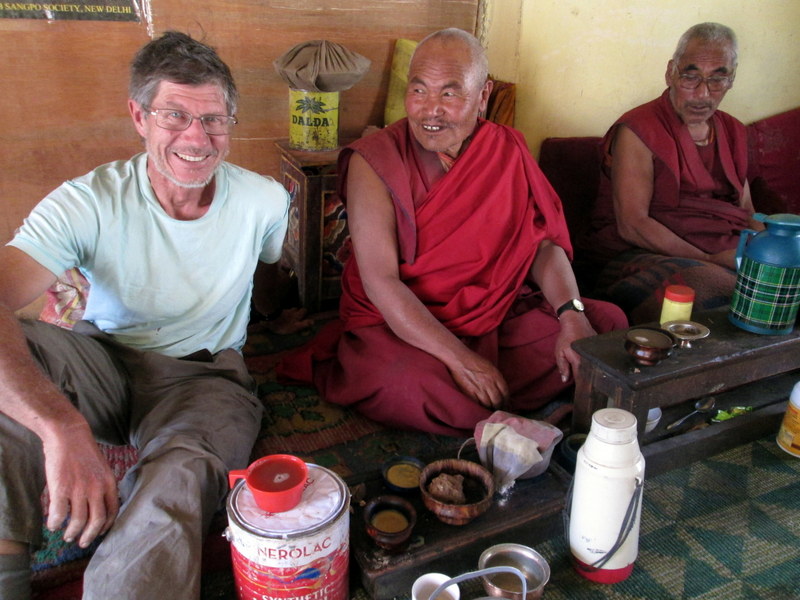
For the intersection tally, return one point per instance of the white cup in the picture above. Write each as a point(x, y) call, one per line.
point(653, 417)
point(426, 584)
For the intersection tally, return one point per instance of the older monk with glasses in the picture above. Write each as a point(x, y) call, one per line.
point(674, 195)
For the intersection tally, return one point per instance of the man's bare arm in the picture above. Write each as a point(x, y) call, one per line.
point(552, 273)
point(80, 482)
point(632, 186)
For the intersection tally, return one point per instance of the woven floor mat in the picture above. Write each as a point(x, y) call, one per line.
point(725, 528)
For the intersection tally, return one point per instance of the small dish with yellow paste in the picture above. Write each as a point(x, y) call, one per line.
point(401, 473)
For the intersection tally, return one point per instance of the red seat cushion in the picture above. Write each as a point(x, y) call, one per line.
point(775, 162)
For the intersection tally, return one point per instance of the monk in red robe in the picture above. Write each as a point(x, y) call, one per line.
point(459, 298)
point(674, 195)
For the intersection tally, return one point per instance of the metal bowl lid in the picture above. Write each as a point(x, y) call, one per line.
point(648, 337)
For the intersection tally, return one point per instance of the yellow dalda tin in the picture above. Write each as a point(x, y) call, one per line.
point(313, 120)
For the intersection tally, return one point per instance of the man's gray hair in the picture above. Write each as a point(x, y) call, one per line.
point(480, 62)
point(178, 58)
point(713, 33)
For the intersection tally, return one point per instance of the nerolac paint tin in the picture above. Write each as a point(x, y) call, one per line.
point(302, 553)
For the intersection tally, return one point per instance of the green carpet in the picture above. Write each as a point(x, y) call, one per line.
point(724, 528)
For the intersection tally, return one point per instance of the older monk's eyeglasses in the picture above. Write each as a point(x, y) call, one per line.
point(178, 120)
point(715, 83)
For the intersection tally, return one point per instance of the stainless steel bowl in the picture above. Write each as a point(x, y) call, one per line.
point(506, 585)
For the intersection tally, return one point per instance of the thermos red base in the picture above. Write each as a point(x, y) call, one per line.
point(602, 575)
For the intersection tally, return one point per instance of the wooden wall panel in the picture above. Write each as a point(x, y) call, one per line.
point(66, 84)
point(63, 104)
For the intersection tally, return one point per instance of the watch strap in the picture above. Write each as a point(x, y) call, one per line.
point(569, 305)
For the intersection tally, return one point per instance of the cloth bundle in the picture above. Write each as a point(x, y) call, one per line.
point(513, 447)
point(321, 66)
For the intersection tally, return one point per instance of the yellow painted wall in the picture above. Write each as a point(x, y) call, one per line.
point(579, 64)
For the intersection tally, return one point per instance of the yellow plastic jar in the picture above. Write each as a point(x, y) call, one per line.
point(677, 306)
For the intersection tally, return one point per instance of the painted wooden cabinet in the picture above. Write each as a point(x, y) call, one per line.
point(316, 243)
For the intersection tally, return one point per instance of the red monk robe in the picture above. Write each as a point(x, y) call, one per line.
point(466, 244)
point(696, 190)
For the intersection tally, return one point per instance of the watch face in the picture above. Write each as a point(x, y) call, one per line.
point(578, 304)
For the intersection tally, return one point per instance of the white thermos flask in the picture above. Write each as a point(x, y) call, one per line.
point(606, 499)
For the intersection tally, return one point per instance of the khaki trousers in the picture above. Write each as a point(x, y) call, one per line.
point(191, 420)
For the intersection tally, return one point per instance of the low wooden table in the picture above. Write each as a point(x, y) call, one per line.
point(721, 364)
point(728, 358)
point(528, 514)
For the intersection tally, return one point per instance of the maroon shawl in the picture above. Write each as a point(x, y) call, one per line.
point(467, 242)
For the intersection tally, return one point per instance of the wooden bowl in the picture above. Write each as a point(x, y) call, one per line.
point(478, 490)
point(401, 523)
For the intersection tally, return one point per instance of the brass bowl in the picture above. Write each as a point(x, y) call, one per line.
point(648, 346)
point(687, 331)
point(478, 490)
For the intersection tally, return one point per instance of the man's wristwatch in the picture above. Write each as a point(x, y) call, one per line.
point(574, 304)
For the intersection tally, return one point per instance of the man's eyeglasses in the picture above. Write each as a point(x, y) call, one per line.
point(715, 83)
point(178, 120)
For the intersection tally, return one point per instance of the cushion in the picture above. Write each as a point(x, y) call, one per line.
point(502, 102)
point(65, 300)
point(774, 162)
point(398, 78)
point(572, 166)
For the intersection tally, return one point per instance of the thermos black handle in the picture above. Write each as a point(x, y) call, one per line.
point(628, 522)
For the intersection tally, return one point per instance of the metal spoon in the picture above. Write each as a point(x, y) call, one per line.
point(701, 406)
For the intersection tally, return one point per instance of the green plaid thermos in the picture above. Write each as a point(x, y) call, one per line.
point(767, 293)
